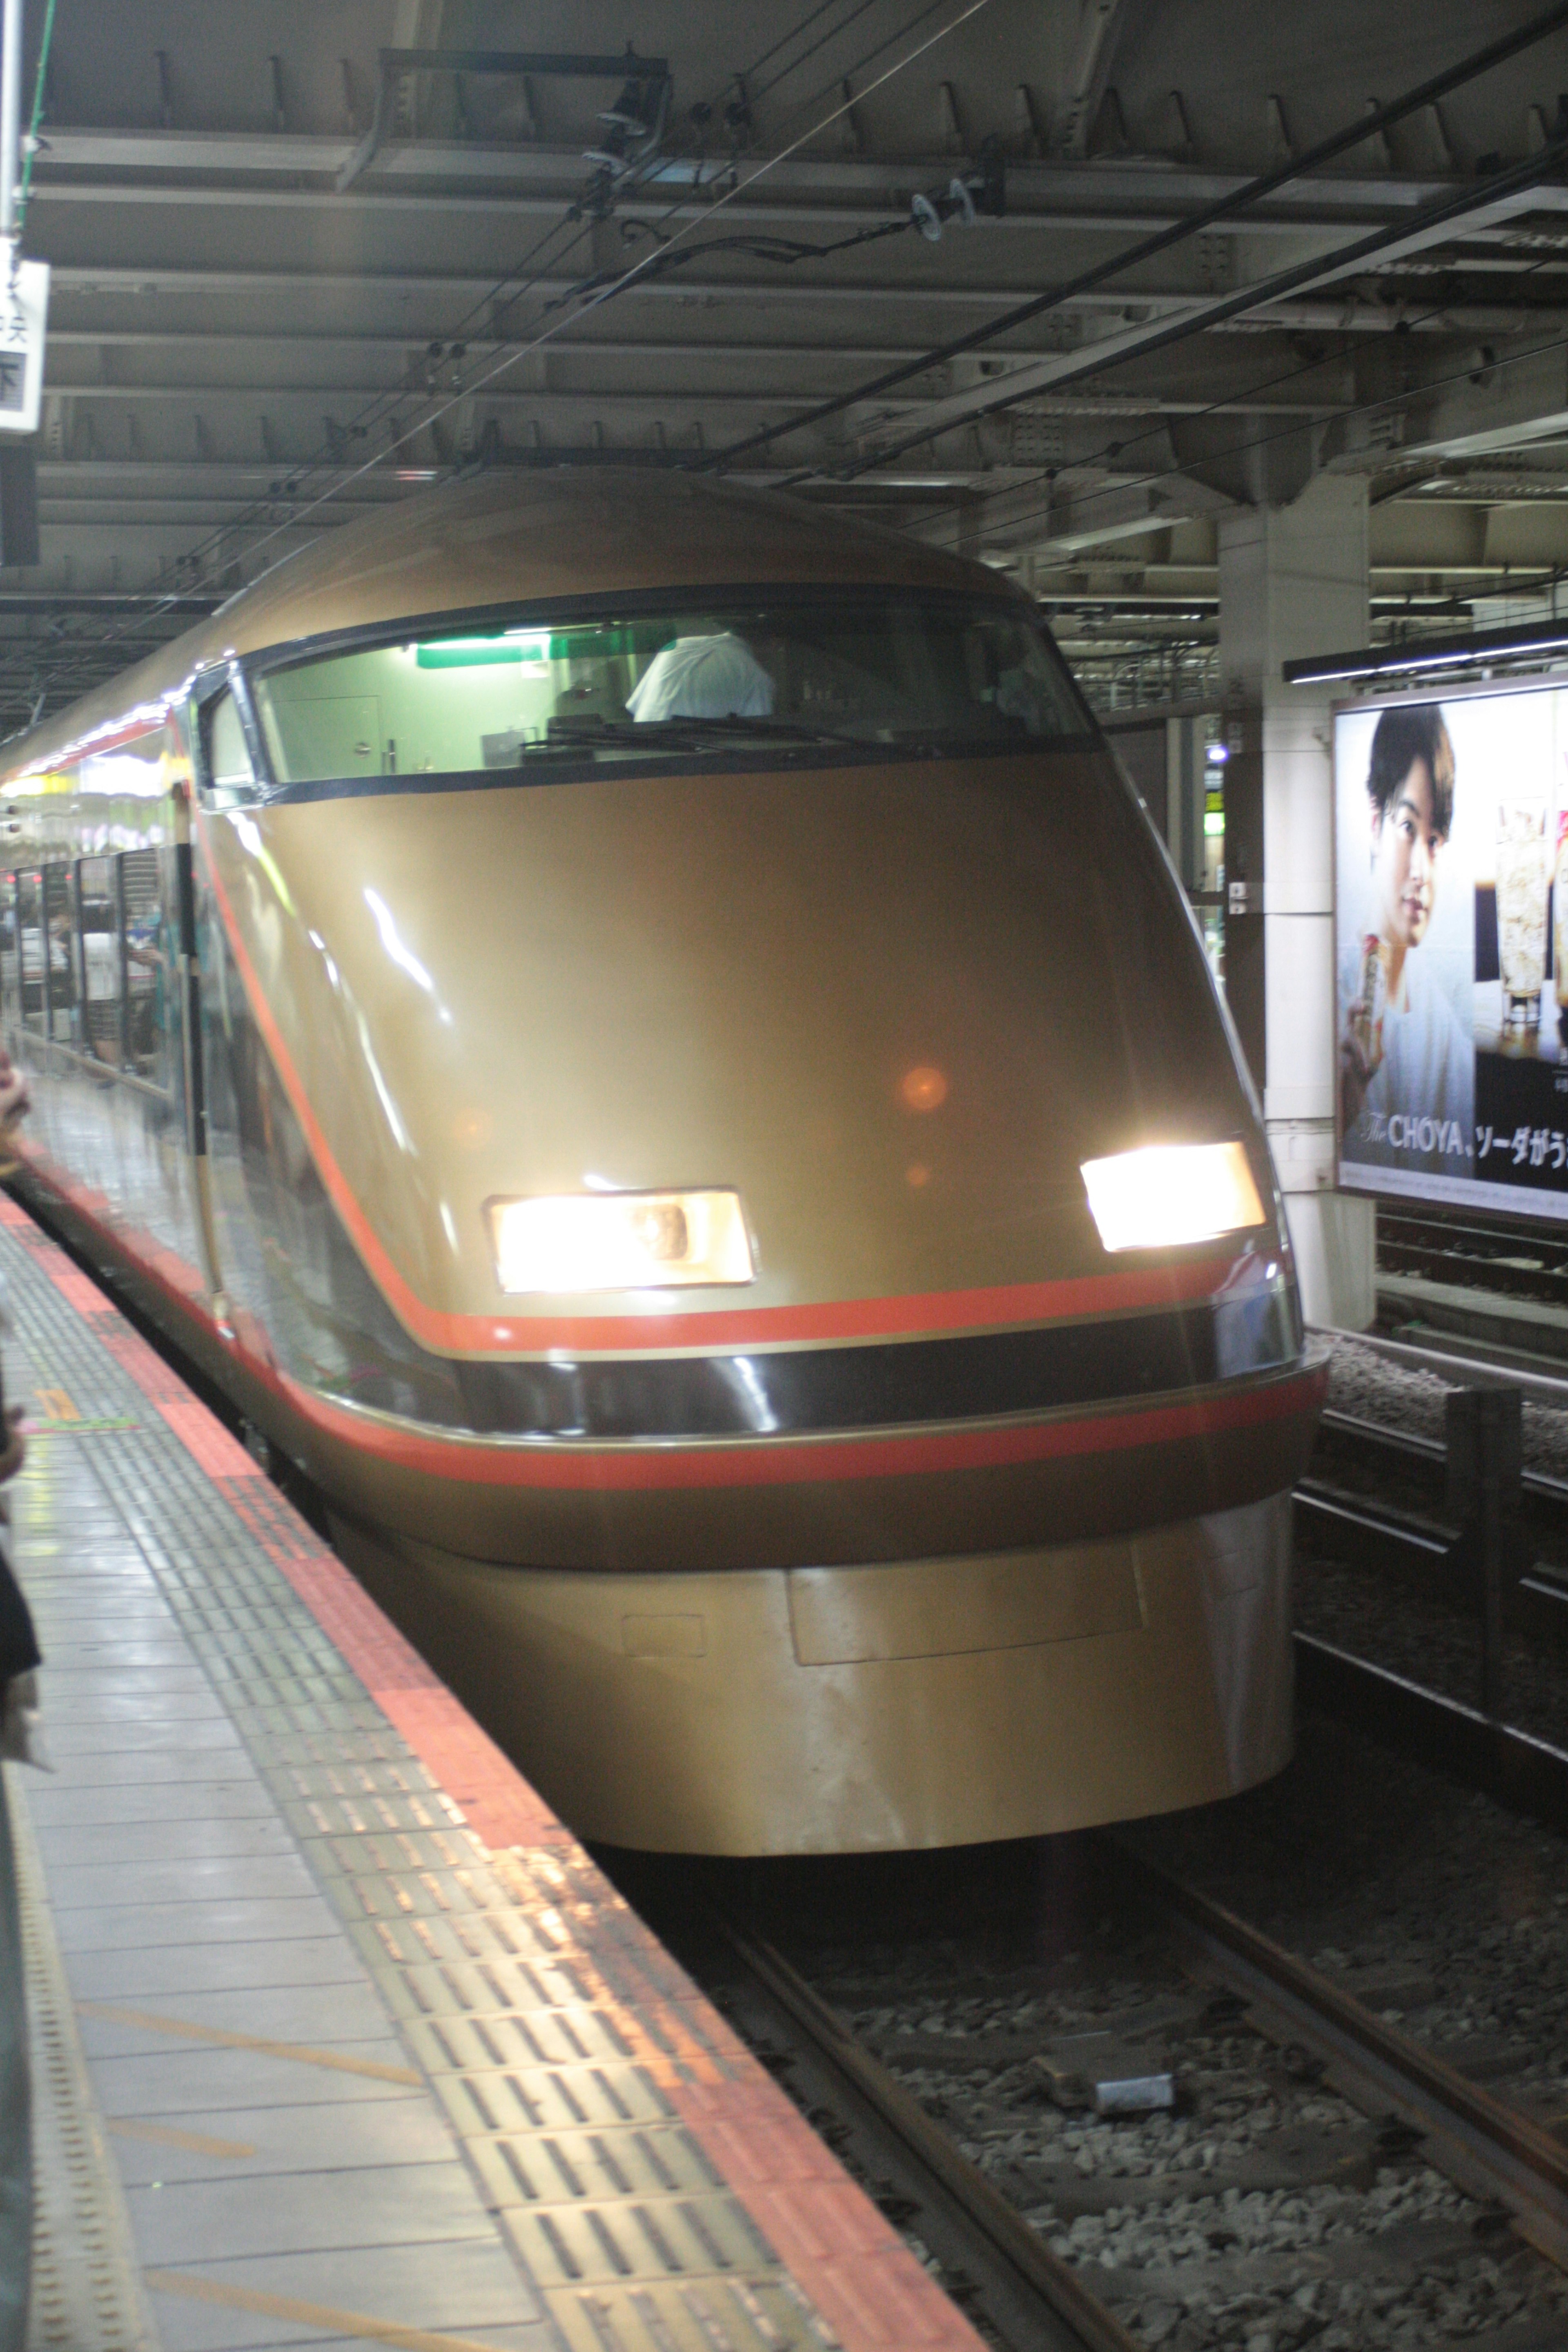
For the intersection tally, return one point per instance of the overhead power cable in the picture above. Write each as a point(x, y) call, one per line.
point(1322, 269)
point(1461, 374)
point(629, 277)
point(572, 226)
point(782, 251)
point(1111, 450)
point(1240, 200)
point(832, 34)
point(519, 351)
point(31, 146)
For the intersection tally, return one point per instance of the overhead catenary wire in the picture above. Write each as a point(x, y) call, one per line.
point(39, 86)
point(364, 420)
point(548, 333)
point(1333, 413)
point(374, 411)
point(1253, 192)
point(648, 265)
point(574, 224)
point(1355, 408)
point(832, 32)
point(1320, 268)
point(1328, 412)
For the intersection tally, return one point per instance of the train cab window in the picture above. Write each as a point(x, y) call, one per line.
point(886, 675)
point(230, 777)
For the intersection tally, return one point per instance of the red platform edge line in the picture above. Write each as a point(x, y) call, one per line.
point(840, 2250)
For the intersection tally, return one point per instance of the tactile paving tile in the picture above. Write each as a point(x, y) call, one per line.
point(86, 2289)
point(638, 2159)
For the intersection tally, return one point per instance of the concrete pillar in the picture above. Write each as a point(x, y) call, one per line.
point(1293, 582)
point(1185, 799)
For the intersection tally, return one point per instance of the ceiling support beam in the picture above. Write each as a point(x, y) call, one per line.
point(648, 78)
point(1444, 223)
point(1099, 28)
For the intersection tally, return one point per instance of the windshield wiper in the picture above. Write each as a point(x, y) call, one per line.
point(675, 733)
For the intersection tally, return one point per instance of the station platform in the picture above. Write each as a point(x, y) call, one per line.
point(339, 2036)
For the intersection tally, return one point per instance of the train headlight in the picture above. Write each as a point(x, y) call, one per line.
point(1172, 1192)
point(620, 1241)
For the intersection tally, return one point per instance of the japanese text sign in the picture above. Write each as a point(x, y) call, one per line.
point(1451, 947)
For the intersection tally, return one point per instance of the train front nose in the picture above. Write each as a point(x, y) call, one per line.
point(894, 1010)
point(937, 1518)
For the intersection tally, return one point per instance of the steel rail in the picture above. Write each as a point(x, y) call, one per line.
point(1490, 2149)
point(1462, 1363)
point(1526, 1774)
point(1035, 2298)
point(1398, 1529)
point(1405, 1446)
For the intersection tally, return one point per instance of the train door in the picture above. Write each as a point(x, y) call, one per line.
point(256, 1162)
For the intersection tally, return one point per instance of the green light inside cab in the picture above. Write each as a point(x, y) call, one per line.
point(479, 653)
point(1214, 823)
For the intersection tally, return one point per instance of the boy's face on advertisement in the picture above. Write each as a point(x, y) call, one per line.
point(1404, 845)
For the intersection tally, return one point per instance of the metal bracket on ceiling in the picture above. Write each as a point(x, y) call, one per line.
point(642, 105)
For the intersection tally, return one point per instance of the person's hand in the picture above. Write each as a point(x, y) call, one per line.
point(15, 1451)
point(14, 1100)
point(1355, 1076)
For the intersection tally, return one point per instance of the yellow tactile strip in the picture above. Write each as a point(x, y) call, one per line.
point(87, 2291)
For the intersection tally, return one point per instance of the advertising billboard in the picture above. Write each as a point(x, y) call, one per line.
point(1451, 948)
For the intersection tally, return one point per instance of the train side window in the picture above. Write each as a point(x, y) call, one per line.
point(102, 962)
point(30, 937)
point(59, 961)
point(230, 778)
point(145, 961)
point(10, 973)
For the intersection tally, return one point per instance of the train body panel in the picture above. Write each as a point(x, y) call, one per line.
point(671, 982)
point(308, 1012)
point(923, 1702)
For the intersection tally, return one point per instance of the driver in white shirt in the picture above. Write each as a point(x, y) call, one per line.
point(716, 677)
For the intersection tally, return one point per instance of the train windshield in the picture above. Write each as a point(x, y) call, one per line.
point(893, 675)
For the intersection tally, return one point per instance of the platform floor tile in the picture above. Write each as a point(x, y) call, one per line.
point(381, 2057)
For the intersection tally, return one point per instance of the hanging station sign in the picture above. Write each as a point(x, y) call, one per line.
point(1451, 947)
point(23, 316)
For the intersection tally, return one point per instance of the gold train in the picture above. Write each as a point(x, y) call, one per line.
point(640, 1035)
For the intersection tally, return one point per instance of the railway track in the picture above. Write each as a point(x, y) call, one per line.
point(1373, 2109)
point(1343, 1516)
point(1518, 1265)
point(1030, 2297)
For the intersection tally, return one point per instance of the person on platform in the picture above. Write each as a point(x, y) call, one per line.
point(1406, 1064)
point(18, 1661)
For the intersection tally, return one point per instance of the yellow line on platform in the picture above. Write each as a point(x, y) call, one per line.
point(165, 2135)
point(147, 2023)
point(309, 2314)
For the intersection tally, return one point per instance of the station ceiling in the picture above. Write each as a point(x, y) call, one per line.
point(308, 258)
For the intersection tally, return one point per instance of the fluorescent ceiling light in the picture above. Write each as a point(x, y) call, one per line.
point(1433, 653)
